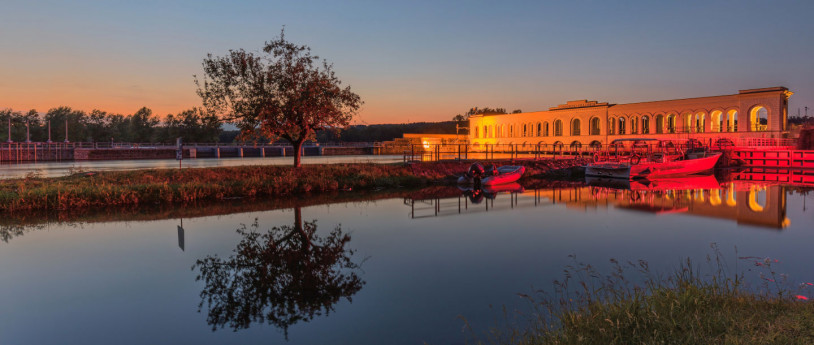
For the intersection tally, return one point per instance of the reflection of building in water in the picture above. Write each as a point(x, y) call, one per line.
point(744, 203)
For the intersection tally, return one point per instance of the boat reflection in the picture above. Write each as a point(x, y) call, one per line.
point(744, 202)
point(464, 199)
point(281, 276)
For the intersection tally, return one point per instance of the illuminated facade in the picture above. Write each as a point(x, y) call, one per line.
point(754, 113)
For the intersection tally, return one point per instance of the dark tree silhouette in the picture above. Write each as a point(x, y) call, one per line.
point(282, 276)
point(286, 93)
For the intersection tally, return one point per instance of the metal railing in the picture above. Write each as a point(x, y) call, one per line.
point(436, 152)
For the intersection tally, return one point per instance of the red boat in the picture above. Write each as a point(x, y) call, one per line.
point(657, 168)
point(644, 164)
point(493, 176)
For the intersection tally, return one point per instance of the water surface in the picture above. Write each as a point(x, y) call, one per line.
point(55, 169)
point(397, 270)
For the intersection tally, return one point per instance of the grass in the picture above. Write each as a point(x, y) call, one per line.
point(184, 186)
point(686, 307)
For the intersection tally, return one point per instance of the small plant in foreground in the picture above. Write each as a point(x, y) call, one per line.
point(685, 307)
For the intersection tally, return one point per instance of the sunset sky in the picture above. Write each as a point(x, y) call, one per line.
point(410, 60)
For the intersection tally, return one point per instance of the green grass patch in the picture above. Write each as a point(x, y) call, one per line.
point(686, 307)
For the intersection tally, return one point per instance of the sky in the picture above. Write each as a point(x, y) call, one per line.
point(410, 61)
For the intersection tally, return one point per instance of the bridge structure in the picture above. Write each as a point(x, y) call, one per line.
point(18, 152)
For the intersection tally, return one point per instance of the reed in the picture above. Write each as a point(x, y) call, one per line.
point(686, 307)
point(182, 186)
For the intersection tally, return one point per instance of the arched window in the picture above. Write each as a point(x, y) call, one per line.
point(596, 145)
point(700, 122)
point(659, 124)
point(716, 119)
point(758, 119)
point(557, 128)
point(645, 124)
point(687, 125)
point(732, 121)
point(575, 127)
point(545, 129)
point(539, 129)
point(671, 123)
point(525, 130)
point(622, 126)
point(634, 125)
point(477, 132)
point(576, 145)
point(485, 132)
point(594, 126)
point(611, 126)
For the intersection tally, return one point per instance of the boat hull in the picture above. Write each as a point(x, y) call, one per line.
point(506, 174)
point(652, 170)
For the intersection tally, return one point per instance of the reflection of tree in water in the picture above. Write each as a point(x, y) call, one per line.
point(282, 276)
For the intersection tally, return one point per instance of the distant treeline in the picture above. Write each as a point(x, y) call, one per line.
point(194, 125)
point(365, 133)
point(369, 133)
point(801, 120)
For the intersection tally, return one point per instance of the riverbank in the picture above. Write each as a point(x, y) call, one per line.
point(184, 186)
point(685, 307)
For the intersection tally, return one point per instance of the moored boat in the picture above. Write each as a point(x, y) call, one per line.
point(639, 164)
point(646, 168)
point(494, 176)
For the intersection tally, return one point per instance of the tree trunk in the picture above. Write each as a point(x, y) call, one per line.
point(298, 152)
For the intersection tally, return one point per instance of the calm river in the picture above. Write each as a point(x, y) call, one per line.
point(55, 169)
point(401, 268)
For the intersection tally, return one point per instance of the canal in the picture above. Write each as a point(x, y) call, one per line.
point(56, 169)
point(409, 267)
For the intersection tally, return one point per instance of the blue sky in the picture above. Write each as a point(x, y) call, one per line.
point(411, 61)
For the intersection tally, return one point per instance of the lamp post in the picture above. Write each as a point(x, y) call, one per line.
point(27, 132)
point(9, 129)
point(49, 131)
point(66, 130)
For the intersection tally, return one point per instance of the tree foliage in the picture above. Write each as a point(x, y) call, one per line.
point(286, 92)
point(281, 276)
point(482, 111)
point(194, 125)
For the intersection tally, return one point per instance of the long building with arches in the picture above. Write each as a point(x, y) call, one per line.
point(753, 113)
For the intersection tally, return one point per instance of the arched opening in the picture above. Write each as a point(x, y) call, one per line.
point(558, 128)
point(700, 122)
point(671, 123)
point(731, 199)
point(596, 145)
point(477, 132)
point(659, 124)
point(717, 121)
point(757, 198)
point(576, 145)
point(594, 126)
point(539, 129)
point(645, 124)
point(758, 119)
point(715, 197)
point(611, 126)
point(732, 121)
point(686, 123)
point(525, 130)
point(575, 127)
point(634, 125)
point(558, 145)
point(622, 126)
point(545, 129)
